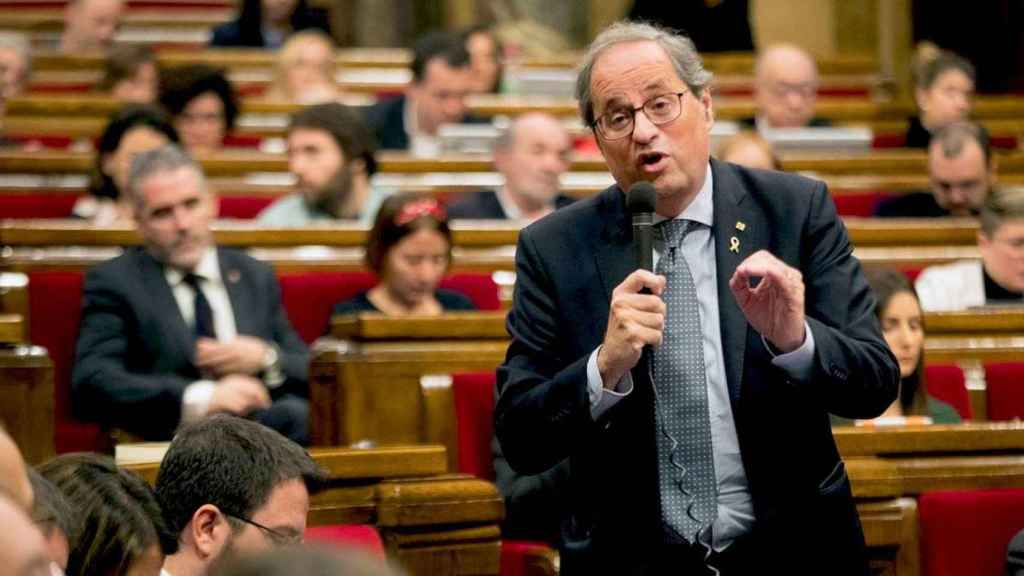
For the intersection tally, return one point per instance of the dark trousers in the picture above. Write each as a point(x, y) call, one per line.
point(289, 415)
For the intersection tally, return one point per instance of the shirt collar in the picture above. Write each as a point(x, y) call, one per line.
point(702, 208)
point(511, 210)
point(208, 269)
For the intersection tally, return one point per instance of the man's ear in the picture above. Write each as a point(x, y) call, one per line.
point(209, 531)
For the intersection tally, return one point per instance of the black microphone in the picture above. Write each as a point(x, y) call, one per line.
point(641, 201)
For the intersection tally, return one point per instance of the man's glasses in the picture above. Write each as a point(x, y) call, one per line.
point(619, 122)
point(277, 537)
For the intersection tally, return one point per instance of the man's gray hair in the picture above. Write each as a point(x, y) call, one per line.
point(167, 158)
point(679, 48)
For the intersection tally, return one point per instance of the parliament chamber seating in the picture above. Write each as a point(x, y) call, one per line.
point(965, 533)
point(1004, 386)
point(948, 383)
point(360, 536)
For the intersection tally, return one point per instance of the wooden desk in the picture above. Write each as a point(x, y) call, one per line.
point(432, 522)
point(26, 392)
point(365, 381)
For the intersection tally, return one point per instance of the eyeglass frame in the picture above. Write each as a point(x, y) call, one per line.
point(279, 538)
point(596, 124)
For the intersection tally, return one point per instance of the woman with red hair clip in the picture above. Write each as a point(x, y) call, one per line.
point(409, 248)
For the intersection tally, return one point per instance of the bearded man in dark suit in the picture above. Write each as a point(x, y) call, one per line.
point(178, 328)
point(762, 321)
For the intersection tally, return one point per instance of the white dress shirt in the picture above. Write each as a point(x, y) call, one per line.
point(735, 506)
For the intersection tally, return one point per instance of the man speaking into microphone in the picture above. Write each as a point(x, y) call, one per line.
point(691, 399)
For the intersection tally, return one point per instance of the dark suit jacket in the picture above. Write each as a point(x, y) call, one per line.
point(566, 268)
point(234, 33)
point(816, 122)
point(919, 204)
point(387, 120)
point(484, 205)
point(135, 353)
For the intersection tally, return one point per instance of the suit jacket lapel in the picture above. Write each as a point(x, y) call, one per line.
point(241, 300)
point(740, 230)
point(179, 337)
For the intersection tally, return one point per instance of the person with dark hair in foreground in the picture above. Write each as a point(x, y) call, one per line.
point(332, 155)
point(441, 79)
point(121, 531)
point(307, 562)
point(178, 329)
point(55, 518)
point(202, 103)
point(712, 449)
point(229, 486)
point(410, 249)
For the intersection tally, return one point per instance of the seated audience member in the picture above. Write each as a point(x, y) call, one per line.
point(202, 103)
point(308, 561)
point(15, 63)
point(131, 130)
point(749, 149)
point(53, 516)
point(785, 89)
point(902, 320)
point(131, 74)
point(484, 50)
point(14, 481)
point(331, 154)
point(532, 155)
point(22, 550)
point(121, 529)
point(998, 278)
point(267, 23)
point(179, 328)
point(441, 79)
point(410, 248)
point(943, 91)
point(229, 487)
point(304, 72)
point(90, 25)
point(962, 173)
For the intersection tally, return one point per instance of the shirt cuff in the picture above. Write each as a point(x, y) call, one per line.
point(800, 362)
point(273, 376)
point(601, 399)
point(195, 402)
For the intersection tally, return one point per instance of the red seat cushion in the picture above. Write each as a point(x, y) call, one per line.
point(947, 383)
point(309, 297)
point(55, 307)
point(474, 422)
point(42, 204)
point(243, 207)
point(860, 203)
point(515, 553)
point(361, 536)
point(966, 533)
point(1004, 384)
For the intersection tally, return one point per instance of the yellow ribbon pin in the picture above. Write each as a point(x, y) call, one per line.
point(741, 226)
point(734, 244)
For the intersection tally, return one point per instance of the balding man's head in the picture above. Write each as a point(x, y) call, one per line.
point(22, 552)
point(785, 86)
point(14, 480)
point(90, 25)
point(532, 156)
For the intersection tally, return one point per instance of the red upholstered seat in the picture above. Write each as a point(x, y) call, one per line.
point(947, 383)
point(474, 427)
point(966, 533)
point(242, 207)
point(1004, 384)
point(55, 306)
point(361, 536)
point(42, 204)
point(861, 203)
point(309, 297)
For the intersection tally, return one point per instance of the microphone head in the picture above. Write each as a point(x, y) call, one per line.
point(641, 198)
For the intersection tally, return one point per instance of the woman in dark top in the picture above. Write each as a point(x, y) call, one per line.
point(409, 248)
point(202, 103)
point(943, 90)
point(267, 23)
point(902, 321)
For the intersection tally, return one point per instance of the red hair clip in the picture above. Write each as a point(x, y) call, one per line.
point(420, 208)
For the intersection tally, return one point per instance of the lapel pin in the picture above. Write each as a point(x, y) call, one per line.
point(734, 244)
point(234, 276)
point(741, 225)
